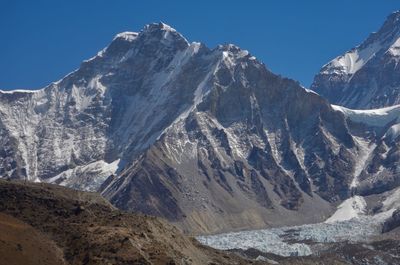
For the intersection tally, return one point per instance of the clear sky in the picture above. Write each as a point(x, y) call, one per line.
point(41, 41)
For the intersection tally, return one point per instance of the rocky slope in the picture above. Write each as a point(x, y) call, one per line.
point(47, 224)
point(377, 130)
point(367, 76)
point(252, 147)
point(380, 252)
point(207, 138)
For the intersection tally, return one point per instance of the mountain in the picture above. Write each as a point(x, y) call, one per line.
point(367, 76)
point(207, 138)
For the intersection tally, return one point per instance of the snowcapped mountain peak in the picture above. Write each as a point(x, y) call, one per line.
point(386, 39)
point(229, 47)
point(163, 33)
point(158, 26)
point(351, 79)
point(232, 49)
point(156, 40)
point(231, 52)
point(162, 26)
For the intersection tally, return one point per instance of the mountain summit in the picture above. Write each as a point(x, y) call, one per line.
point(366, 76)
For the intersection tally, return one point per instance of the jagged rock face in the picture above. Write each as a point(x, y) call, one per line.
point(392, 223)
point(367, 76)
point(251, 144)
point(382, 169)
point(376, 132)
point(209, 139)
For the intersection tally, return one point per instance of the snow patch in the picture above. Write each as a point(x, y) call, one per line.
point(373, 117)
point(18, 91)
point(352, 61)
point(363, 155)
point(395, 48)
point(127, 35)
point(392, 201)
point(393, 132)
point(351, 208)
point(87, 177)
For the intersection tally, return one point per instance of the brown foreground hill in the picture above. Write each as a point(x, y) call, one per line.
point(43, 224)
point(47, 224)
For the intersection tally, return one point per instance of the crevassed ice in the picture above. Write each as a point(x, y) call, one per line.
point(276, 240)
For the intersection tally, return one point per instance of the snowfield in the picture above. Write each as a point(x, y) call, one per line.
point(349, 209)
point(373, 117)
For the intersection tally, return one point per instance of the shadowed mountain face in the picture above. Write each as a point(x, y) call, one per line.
point(209, 139)
point(367, 76)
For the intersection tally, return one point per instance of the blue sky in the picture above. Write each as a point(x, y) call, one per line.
point(41, 41)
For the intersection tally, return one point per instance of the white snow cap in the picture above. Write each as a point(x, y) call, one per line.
point(127, 35)
point(166, 27)
point(169, 34)
point(159, 25)
point(353, 207)
point(130, 36)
